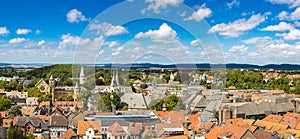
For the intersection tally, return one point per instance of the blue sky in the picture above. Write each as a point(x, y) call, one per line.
point(155, 31)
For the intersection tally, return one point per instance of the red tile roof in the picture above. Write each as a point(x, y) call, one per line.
point(213, 133)
point(116, 130)
point(273, 118)
point(232, 130)
point(68, 134)
point(83, 125)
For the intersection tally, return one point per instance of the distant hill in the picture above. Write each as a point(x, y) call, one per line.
point(151, 65)
point(204, 66)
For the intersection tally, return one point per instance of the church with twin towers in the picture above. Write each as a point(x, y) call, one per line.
point(62, 91)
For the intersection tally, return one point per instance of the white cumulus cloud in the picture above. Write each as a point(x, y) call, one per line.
point(75, 16)
point(23, 31)
point(238, 27)
point(108, 29)
point(291, 3)
point(195, 42)
point(41, 42)
point(200, 14)
point(164, 34)
point(69, 40)
point(282, 26)
point(17, 40)
point(293, 34)
point(38, 32)
point(284, 15)
point(238, 49)
point(157, 5)
point(296, 14)
point(4, 31)
point(232, 3)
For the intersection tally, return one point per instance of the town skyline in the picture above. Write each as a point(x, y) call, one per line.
point(266, 33)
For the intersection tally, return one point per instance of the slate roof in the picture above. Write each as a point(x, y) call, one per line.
point(35, 121)
point(111, 122)
point(58, 121)
point(135, 101)
point(255, 108)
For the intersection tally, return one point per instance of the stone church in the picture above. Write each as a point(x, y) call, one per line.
point(57, 91)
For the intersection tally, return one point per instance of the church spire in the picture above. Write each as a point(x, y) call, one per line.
point(51, 77)
point(114, 79)
point(82, 76)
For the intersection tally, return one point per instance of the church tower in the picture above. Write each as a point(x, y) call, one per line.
point(76, 91)
point(114, 79)
point(172, 77)
point(52, 84)
point(82, 76)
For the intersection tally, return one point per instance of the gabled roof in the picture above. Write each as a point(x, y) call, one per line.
point(293, 131)
point(213, 133)
point(234, 131)
point(41, 80)
point(35, 121)
point(162, 114)
point(175, 117)
point(116, 130)
point(291, 120)
point(135, 101)
point(161, 126)
point(270, 126)
point(68, 134)
point(83, 125)
point(135, 128)
point(263, 134)
point(44, 104)
point(58, 121)
point(273, 118)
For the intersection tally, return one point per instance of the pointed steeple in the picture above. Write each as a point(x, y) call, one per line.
point(82, 76)
point(113, 82)
point(82, 72)
point(51, 77)
point(172, 77)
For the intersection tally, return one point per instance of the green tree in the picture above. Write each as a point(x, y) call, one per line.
point(155, 104)
point(172, 102)
point(84, 97)
point(34, 92)
point(69, 98)
point(14, 133)
point(5, 103)
point(125, 108)
point(101, 107)
point(46, 97)
point(108, 101)
point(30, 136)
point(14, 111)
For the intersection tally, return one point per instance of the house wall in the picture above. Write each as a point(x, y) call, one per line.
point(90, 134)
point(56, 132)
point(29, 128)
point(47, 87)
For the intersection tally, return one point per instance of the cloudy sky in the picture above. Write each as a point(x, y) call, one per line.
point(154, 31)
